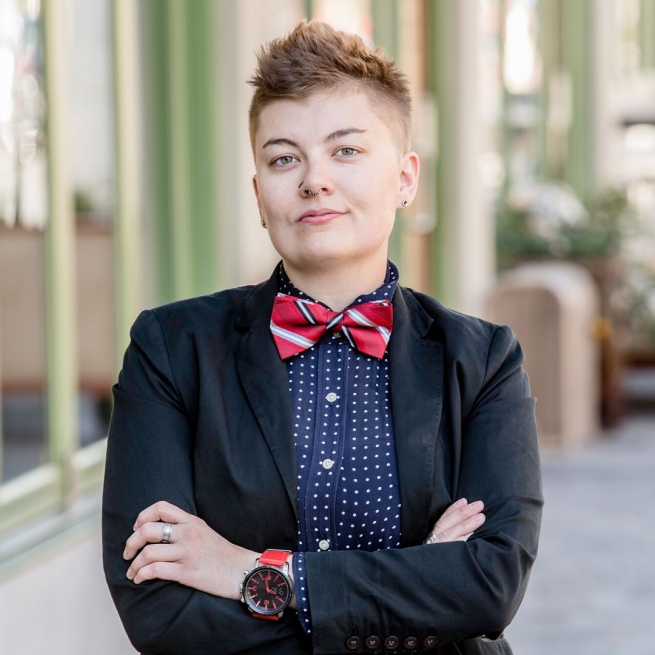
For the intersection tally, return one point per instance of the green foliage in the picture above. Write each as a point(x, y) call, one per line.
point(546, 220)
point(83, 202)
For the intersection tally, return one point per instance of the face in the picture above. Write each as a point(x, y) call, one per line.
point(308, 144)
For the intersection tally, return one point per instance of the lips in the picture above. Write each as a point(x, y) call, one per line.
point(320, 216)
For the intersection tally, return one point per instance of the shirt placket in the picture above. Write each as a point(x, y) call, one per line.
point(327, 442)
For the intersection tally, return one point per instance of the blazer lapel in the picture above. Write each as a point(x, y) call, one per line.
point(263, 375)
point(416, 387)
point(416, 384)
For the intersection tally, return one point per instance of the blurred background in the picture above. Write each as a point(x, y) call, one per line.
point(125, 183)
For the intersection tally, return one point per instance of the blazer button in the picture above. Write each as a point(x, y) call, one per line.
point(352, 643)
point(430, 642)
point(372, 642)
point(410, 643)
point(391, 642)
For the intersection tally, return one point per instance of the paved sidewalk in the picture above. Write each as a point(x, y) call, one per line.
point(591, 592)
point(592, 588)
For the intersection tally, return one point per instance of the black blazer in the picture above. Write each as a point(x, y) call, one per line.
point(202, 418)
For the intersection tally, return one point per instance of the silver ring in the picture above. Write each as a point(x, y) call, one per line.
point(168, 528)
point(431, 538)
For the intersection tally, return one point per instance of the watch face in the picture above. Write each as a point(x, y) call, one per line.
point(266, 590)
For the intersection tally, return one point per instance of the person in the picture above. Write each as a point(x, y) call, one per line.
point(304, 450)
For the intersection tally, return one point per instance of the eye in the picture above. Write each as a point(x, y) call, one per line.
point(283, 157)
point(348, 148)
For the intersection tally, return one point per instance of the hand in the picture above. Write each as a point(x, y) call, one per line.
point(196, 556)
point(459, 521)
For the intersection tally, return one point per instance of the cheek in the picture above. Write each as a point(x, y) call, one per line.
point(373, 186)
point(272, 194)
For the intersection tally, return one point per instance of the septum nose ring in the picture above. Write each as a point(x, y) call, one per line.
point(311, 193)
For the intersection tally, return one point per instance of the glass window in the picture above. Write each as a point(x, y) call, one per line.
point(92, 134)
point(23, 214)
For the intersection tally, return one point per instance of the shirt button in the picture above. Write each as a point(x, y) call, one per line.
point(331, 397)
point(337, 334)
point(323, 545)
point(328, 463)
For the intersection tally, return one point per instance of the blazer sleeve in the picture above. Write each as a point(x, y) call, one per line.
point(150, 458)
point(303, 611)
point(454, 590)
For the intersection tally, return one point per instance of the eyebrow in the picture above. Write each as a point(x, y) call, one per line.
point(330, 137)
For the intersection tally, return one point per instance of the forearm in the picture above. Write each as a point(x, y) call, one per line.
point(456, 590)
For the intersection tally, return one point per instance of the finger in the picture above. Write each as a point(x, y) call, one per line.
point(150, 533)
point(161, 570)
point(162, 511)
point(456, 505)
point(449, 520)
point(469, 525)
point(154, 553)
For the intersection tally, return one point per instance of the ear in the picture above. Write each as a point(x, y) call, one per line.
point(254, 185)
point(409, 174)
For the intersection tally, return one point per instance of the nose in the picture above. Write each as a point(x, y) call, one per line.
point(313, 183)
point(311, 193)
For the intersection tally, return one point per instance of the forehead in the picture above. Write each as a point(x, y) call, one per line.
point(311, 119)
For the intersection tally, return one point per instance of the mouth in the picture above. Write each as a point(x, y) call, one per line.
point(317, 219)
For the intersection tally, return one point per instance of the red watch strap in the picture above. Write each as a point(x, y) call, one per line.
point(273, 617)
point(274, 557)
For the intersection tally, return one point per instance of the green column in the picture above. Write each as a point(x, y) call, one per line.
point(647, 33)
point(61, 309)
point(549, 163)
point(182, 66)
point(575, 49)
point(385, 30)
point(567, 49)
point(203, 114)
point(128, 265)
point(440, 46)
point(179, 145)
point(154, 18)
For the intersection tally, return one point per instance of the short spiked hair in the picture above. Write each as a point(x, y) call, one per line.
point(314, 56)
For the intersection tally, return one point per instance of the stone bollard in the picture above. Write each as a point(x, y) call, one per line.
point(551, 307)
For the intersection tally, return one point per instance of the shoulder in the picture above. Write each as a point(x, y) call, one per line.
point(213, 311)
point(458, 331)
point(477, 353)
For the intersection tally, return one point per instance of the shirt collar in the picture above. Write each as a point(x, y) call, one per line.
point(384, 291)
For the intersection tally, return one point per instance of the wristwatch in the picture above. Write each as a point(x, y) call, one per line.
point(266, 589)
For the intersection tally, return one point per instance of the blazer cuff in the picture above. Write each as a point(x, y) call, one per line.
point(300, 589)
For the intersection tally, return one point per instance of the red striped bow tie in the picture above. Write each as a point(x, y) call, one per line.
point(298, 324)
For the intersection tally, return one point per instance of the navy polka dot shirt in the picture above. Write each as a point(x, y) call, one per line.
point(348, 493)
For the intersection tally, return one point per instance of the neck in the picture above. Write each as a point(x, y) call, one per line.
point(338, 286)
